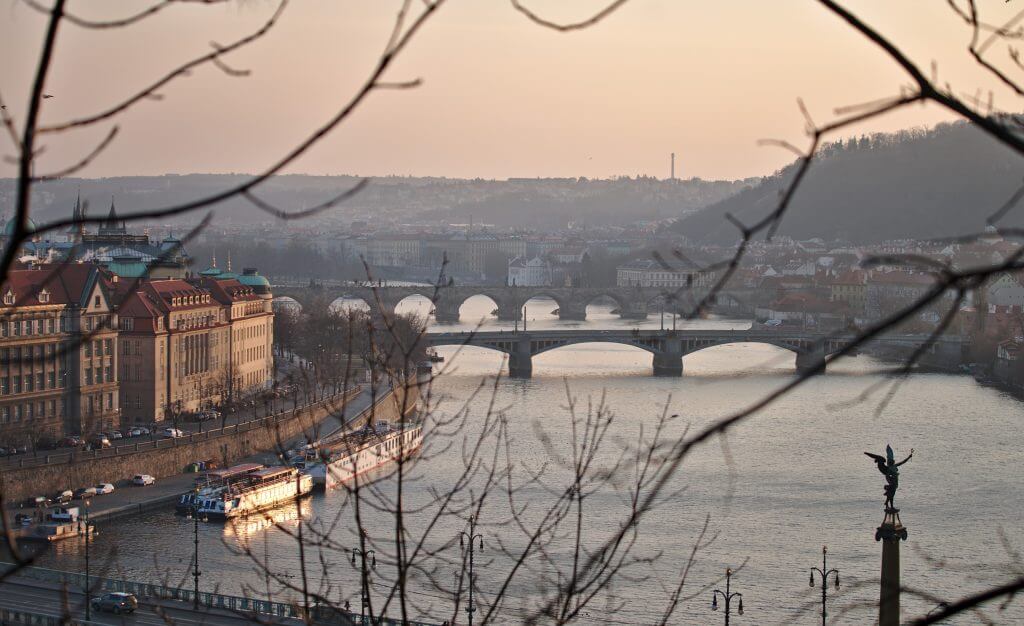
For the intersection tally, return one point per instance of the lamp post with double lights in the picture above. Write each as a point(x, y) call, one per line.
point(727, 596)
point(476, 541)
point(824, 573)
point(194, 514)
point(364, 576)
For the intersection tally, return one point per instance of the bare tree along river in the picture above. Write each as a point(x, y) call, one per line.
point(776, 488)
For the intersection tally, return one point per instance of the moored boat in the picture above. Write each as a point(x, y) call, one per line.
point(253, 492)
point(211, 482)
point(340, 459)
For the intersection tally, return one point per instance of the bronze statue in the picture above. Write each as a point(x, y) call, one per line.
point(890, 469)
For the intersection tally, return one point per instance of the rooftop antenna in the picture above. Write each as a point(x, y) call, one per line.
point(673, 176)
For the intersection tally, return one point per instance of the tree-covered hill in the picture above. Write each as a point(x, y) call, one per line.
point(917, 183)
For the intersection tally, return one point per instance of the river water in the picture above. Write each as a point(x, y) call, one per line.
point(775, 489)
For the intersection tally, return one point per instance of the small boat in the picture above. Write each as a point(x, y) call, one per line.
point(494, 313)
point(556, 311)
point(57, 531)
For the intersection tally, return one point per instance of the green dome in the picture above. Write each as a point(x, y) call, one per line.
point(9, 228)
point(210, 271)
point(251, 278)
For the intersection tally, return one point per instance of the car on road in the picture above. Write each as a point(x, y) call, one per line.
point(116, 602)
point(138, 431)
point(63, 497)
point(85, 492)
point(173, 433)
point(142, 480)
point(104, 488)
point(773, 322)
point(114, 435)
point(99, 440)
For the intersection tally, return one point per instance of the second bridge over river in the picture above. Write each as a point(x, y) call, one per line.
point(670, 346)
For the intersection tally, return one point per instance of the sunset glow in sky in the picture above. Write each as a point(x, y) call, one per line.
point(501, 96)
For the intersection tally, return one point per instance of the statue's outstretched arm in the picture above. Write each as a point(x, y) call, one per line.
point(906, 459)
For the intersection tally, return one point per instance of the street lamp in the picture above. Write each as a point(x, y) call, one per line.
point(475, 539)
point(364, 586)
point(88, 599)
point(824, 573)
point(727, 595)
point(194, 514)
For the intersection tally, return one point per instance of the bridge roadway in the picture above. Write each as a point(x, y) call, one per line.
point(632, 302)
point(670, 346)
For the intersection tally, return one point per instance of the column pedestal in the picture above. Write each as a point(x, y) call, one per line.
point(890, 533)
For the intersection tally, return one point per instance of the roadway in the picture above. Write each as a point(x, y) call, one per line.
point(130, 499)
point(43, 598)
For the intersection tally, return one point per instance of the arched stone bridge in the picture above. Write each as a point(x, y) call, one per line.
point(669, 347)
point(632, 302)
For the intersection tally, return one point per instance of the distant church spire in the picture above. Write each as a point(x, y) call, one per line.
point(214, 258)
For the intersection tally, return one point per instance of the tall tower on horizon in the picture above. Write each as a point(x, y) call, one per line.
point(673, 169)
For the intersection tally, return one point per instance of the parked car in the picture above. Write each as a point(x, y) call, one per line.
point(116, 602)
point(773, 322)
point(173, 433)
point(70, 442)
point(138, 431)
point(142, 480)
point(104, 488)
point(85, 492)
point(36, 501)
point(63, 497)
point(99, 440)
point(114, 435)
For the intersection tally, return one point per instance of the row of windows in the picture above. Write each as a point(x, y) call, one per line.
point(18, 353)
point(98, 347)
point(28, 383)
point(28, 328)
point(102, 375)
point(28, 412)
point(250, 332)
point(251, 354)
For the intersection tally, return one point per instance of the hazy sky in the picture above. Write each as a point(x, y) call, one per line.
point(501, 97)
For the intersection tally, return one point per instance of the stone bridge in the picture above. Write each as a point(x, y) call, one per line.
point(632, 302)
point(669, 347)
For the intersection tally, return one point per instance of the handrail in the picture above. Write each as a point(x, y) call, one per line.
point(132, 448)
point(206, 599)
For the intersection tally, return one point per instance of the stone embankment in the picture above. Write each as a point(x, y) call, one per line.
point(168, 457)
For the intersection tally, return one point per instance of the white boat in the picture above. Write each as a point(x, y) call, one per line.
point(253, 492)
point(57, 531)
point(211, 482)
point(339, 460)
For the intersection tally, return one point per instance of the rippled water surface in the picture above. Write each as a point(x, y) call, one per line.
point(776, 488)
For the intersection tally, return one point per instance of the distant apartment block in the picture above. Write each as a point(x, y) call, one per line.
point(523, 272)
point(653, 273)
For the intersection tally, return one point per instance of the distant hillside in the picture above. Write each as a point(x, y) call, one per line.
point(921, 184)
point(525, 203)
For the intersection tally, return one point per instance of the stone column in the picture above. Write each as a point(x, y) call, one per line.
point(890, 533)
point(446, 311)
point(510, 310)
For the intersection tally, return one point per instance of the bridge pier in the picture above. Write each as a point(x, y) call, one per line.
point(574, 311)
point(446, 312)
point(520, 360)
point(509, 311)
point(634, 311)
point(668, 364)
point(809, 360)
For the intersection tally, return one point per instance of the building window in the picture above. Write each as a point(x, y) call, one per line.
point(110, 375)
point(44, 296)
point(51, 379)
point(96, 302)
point(17, 328)
point(9, 298)
point(49, 325)
point(110, 401)
point(107, 343)
point(4, 386)
point(16, 384)
point(88, 348)
point(88, 376)
point(53, 407)
point(40, 384)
